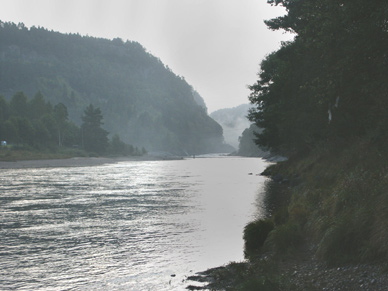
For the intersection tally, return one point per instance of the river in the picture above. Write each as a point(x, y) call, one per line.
point(135, 225)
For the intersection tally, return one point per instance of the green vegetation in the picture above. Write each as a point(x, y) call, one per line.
point(34, 129)
point(12, 153)
point(141, 99)
point(329, 83)
point(94, 137)
point(247, 146)
point(321, 100)
point(255, 234)
point(338, 201)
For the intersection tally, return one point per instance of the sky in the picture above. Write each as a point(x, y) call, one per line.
point(216, 45)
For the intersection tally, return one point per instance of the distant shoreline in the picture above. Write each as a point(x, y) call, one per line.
point(96, 161)
point(70, 162)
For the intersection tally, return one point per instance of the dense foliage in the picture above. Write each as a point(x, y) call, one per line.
point(141, 99)
point(322, 99)
point(36, 124)
point(329, 83)
point(247, 146)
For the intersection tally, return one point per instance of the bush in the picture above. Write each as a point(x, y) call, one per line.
point(255, 234)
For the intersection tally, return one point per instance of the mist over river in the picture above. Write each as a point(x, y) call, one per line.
point(124, 226)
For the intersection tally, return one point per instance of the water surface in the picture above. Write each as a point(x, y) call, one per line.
point(124, 226)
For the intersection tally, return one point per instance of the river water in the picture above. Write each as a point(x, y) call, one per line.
point(136, 225)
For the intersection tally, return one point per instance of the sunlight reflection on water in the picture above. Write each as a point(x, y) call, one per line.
point(125, 226)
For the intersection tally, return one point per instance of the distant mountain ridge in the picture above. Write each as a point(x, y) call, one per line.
point(141, 99)
point(233, 121)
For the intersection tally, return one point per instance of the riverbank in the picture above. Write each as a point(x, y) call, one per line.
point(301, 271)
point(73, 162)
point(331, 232)
point(52, 163)
point(14, 159)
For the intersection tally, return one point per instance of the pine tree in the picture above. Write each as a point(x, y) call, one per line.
point(94, 137)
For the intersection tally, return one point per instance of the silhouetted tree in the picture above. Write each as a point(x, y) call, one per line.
point(94, 137)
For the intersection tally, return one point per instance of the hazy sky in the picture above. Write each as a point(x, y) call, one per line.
point(217, 45)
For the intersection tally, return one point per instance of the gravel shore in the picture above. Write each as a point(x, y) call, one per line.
point(312, 274)
point(303, 272)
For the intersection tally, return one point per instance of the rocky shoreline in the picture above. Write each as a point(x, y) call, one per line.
point(302, 271)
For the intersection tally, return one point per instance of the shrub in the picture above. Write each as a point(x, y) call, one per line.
point(255, 234)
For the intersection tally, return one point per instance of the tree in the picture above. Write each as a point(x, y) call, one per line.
point(330, 81)
point(61, 116)
point(18, 105)
point(4, 109)
point(71, 135)
point(48, 121)
point(25, 131)
point(246, 145)
point(10, 130)
point(42, 134)
point(94, 137)
point(38, 106)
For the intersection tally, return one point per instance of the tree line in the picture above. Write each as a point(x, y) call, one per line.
point(327, 85)
point(160, 109)
point(38, 124)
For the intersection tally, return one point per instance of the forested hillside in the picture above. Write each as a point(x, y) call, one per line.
point(247, 146)
point(141, 99)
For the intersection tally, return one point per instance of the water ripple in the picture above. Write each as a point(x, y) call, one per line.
point(127, 226)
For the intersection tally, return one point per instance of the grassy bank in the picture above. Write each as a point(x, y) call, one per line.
point(26, 153)
point(328, 209)
point(339, 201)
point(9, 154)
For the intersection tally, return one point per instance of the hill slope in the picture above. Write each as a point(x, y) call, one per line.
point(233, 121)
point(141, 99)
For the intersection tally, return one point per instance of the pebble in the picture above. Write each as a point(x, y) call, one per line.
point(307, 273)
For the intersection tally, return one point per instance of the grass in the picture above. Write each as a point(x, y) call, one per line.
point(10, 154)
point(341, 203)
point(255, 234)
